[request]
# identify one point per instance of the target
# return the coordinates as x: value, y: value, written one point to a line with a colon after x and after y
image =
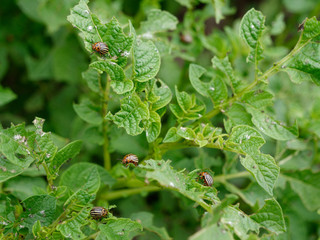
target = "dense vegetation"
x: 189, y: 86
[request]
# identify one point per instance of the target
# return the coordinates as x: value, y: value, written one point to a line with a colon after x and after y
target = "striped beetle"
x: 100, y: 47
x: 207, y: 179
x: 130, y: 158
x: 98, y: 212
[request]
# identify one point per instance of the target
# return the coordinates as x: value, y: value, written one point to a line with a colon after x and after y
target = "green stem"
x: 54, y: 225
x: 50, y: 181
x: 127, y: 192
x: 106, y: 153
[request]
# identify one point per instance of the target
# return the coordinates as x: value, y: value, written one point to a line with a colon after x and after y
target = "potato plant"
x: 225, y: 125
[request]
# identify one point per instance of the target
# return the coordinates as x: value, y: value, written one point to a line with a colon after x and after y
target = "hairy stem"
x: 106, y: 154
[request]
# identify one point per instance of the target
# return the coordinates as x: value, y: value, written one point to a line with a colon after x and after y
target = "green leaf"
x: 304, y: 65
x: 215, y: 89
x: 146, y: 220
x: 66, y: 153
x: 172, y: 135
x: 219, y: 233
x: 261, y: 166
x: 186, y: 133
x: 195, y: 72
x: 258, y: 99
x: 118, y: 229
x: 6, y: 95
x: 307, y: 185
x: 89, y: 180
x: 251, y: 28
x: 218, y: 5
x: 93, y: 79
x: 311, y: 29
x: 71, y: 228
x: 271, y: 127
x: 92, y: 30
x: 270, y: 216
x: 158, y: 21
x: 237, y: 115
x: 23, y: 187
x: 132, y: 112
x: 240, y: 222
x: 38, y: 208
x: 184, y: 100
x: 36, y: 228
x: 79, y: 199
x: 163, y: 94
x: 154, y: 126
x: 146, y: 60
x: 225, y: 67
x: 119, y: 82
x: 163, y: 173
x: 88, y: 112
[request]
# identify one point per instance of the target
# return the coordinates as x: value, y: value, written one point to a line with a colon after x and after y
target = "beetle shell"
x: 207, y: 179
x: 98, y: 212
x: 130, y: 158
x: 100, y: 47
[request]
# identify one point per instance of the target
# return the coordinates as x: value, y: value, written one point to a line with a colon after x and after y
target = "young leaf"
x: 89, y: 181
x: 270, y: 216
x: 195, y: 72
x: 118, y: 229
x: 163, y: 94
x: 270, y: 127
x: 36, y: 228
x: 311, y: 29
x: 38, y: 208
x: 71, y: 228
x: 307, y: 185
x: 186, y: 133
x: 132, y: 112
x: 158, y: 21
x: 251, y: 28
x: 93, y: 31
x: 218, y: 91
x: 67, y: 152
x: 154, y: 126
x: 119, y: 82
x: 225, y: 67
x: 88, y: 112
x: 172, y: 135
x: 146, y: 60
x: 184, y: 100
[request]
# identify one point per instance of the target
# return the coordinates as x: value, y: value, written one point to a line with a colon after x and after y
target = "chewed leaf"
x: 119, y: 82
x: 146, y: 60
x: 158, y: 21
x: 251, y: 28
x: 132, y: 112
x: 311, y: 29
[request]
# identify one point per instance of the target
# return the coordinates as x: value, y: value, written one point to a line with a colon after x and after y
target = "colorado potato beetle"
x: 207, y: 179
x: 98, y: 212
x: 130, y: 158
x: 101, y: 48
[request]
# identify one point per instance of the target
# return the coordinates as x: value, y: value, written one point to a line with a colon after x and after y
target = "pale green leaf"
x: 146, y: 60
x: 258, y: 99
x: 132, y: 112
x: 186, y: 3
x: 271, y: 127
x: 66, y: 153
x: 93, y: 79
x: 119, y: 82
x: 186, y: 133
x: 158, y: 21
x: 118, y: 229
x: 88, y: 112
x: 163, y: 93
x: 251, y: 28
x: 184, y: 100
x: 195, y: 72
x: 225, y: 67
x: 270, y: 216
x: 311, y: 29
x: 219, y: 233
x: 172, y: 135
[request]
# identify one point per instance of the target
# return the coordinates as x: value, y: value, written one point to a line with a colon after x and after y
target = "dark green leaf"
x: 6, y: 95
